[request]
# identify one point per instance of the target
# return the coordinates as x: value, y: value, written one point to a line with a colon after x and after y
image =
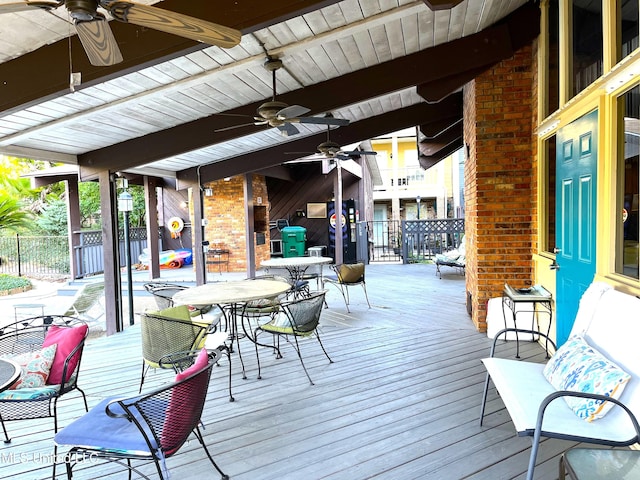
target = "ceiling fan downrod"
x: 272, y: 65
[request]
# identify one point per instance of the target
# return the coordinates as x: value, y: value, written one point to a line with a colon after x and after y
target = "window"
x: 627, y: 40
x: 553, y: 58
x: 587, y: 43
x: 550, y: 157
x: 628, y: 231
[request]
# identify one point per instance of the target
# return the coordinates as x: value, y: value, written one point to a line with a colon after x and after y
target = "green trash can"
x: 293, y: 241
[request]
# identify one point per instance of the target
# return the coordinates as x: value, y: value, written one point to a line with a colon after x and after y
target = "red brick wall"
x: 500, y: 179
x: 225, y: 214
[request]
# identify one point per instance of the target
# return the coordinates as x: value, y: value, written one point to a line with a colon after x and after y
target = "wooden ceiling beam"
x: 431, y: 148
x: 22, y: 82
x: 438, y: 127
x: 429, y: 161
x: 441, y: 4
x: 471, y: 52
x: 355, y: 132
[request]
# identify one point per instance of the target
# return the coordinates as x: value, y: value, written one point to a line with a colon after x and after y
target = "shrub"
x: 9, y: 282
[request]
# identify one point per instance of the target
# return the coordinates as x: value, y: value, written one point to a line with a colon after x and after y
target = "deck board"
x: 400, y: 401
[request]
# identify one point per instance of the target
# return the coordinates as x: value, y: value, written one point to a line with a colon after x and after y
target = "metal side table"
x: 540, y: 300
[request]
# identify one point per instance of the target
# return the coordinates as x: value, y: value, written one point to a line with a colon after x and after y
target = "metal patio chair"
x: 25, y: 340
x: 148, y: 427
x: 163, y: 295
x: 297, y: 318
x: 172, y: 331
x: 347, y: 275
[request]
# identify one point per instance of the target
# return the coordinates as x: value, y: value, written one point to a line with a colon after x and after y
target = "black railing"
x: 385, y: 241
x: 34, y: 256
x: 412, y: 240
x: 49, y: 255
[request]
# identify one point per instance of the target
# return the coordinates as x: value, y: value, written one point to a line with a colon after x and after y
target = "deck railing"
x: 48, y: 256
x: 413, y: 240
x: 31, y: 255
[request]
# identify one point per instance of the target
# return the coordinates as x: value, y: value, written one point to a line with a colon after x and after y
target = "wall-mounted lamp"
x: 184, y: 204
x: 208, y: 192
x: 125, y: 202
x: 300, y: 213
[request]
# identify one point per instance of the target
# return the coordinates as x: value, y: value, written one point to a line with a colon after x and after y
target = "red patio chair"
x: 148, y: 427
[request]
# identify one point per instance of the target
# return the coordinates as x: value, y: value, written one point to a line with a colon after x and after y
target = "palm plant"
x: 12, y: 216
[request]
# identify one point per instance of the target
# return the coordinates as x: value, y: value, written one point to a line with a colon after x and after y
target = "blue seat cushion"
x: 97, y: 431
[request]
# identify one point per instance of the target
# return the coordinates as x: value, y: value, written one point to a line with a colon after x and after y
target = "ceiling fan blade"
x: 286, y: 130
x: 340, y: 122
x: 359, y: 152
x: 98, y: 42
x: 291, y: 112
x: 174, y: 23
x: 305, y: 160
x: 25, y: 6
x: 238, y: 126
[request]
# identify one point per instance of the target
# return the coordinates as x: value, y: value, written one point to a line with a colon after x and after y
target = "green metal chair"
x: 297, y: 318
x: 347, y: 275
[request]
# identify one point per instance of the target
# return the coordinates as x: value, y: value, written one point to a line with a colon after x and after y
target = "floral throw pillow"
x: 35, y: 367
x: 578, y: 367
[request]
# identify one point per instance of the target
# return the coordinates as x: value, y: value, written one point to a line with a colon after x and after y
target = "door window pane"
x: 587, y: 43
x: 627, y: 261
x: 550, y: 152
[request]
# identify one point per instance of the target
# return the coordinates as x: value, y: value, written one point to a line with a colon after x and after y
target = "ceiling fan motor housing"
x: 82, y: 10
x: 329, y: 148
x: 269, y: 110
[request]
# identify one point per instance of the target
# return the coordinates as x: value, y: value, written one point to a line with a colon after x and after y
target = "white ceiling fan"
x: 280, y: 115
x: 330, y: 153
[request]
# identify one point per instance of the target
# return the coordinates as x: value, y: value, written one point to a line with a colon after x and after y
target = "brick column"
x: 226, y: 223
x: 500, y: 114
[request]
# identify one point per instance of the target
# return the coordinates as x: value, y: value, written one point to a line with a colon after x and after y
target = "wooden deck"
x: 401, y: 400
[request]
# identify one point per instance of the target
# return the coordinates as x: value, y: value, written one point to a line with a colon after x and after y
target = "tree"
x: 12, y: 216
x: 14, y: 185
x: 53, y: 220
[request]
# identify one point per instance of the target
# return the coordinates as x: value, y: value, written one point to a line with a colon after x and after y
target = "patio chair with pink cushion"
x: 152, y: 426
x: 49, y: 350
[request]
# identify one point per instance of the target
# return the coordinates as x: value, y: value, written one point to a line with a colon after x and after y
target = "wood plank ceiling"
x: 381, y: 64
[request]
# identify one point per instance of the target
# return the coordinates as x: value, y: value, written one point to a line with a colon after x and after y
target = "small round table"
x: 297, y: 266
x: 10, y: 371
x: 225, y: 293
x: 233, y: 294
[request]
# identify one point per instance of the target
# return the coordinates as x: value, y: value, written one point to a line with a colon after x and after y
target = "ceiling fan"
x: 329, y: 150
x: 282, y: 116
x: 98, y: 40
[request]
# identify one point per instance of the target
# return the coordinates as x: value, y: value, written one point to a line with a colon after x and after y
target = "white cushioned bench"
x: 609, y: 321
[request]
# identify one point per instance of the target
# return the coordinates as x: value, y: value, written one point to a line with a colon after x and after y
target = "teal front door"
x: 576, y: 167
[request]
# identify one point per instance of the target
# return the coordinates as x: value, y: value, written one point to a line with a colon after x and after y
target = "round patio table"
x: 296, y: 266
x: 232, y: 295
x: 227, y: 293
x: 9, y: 372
